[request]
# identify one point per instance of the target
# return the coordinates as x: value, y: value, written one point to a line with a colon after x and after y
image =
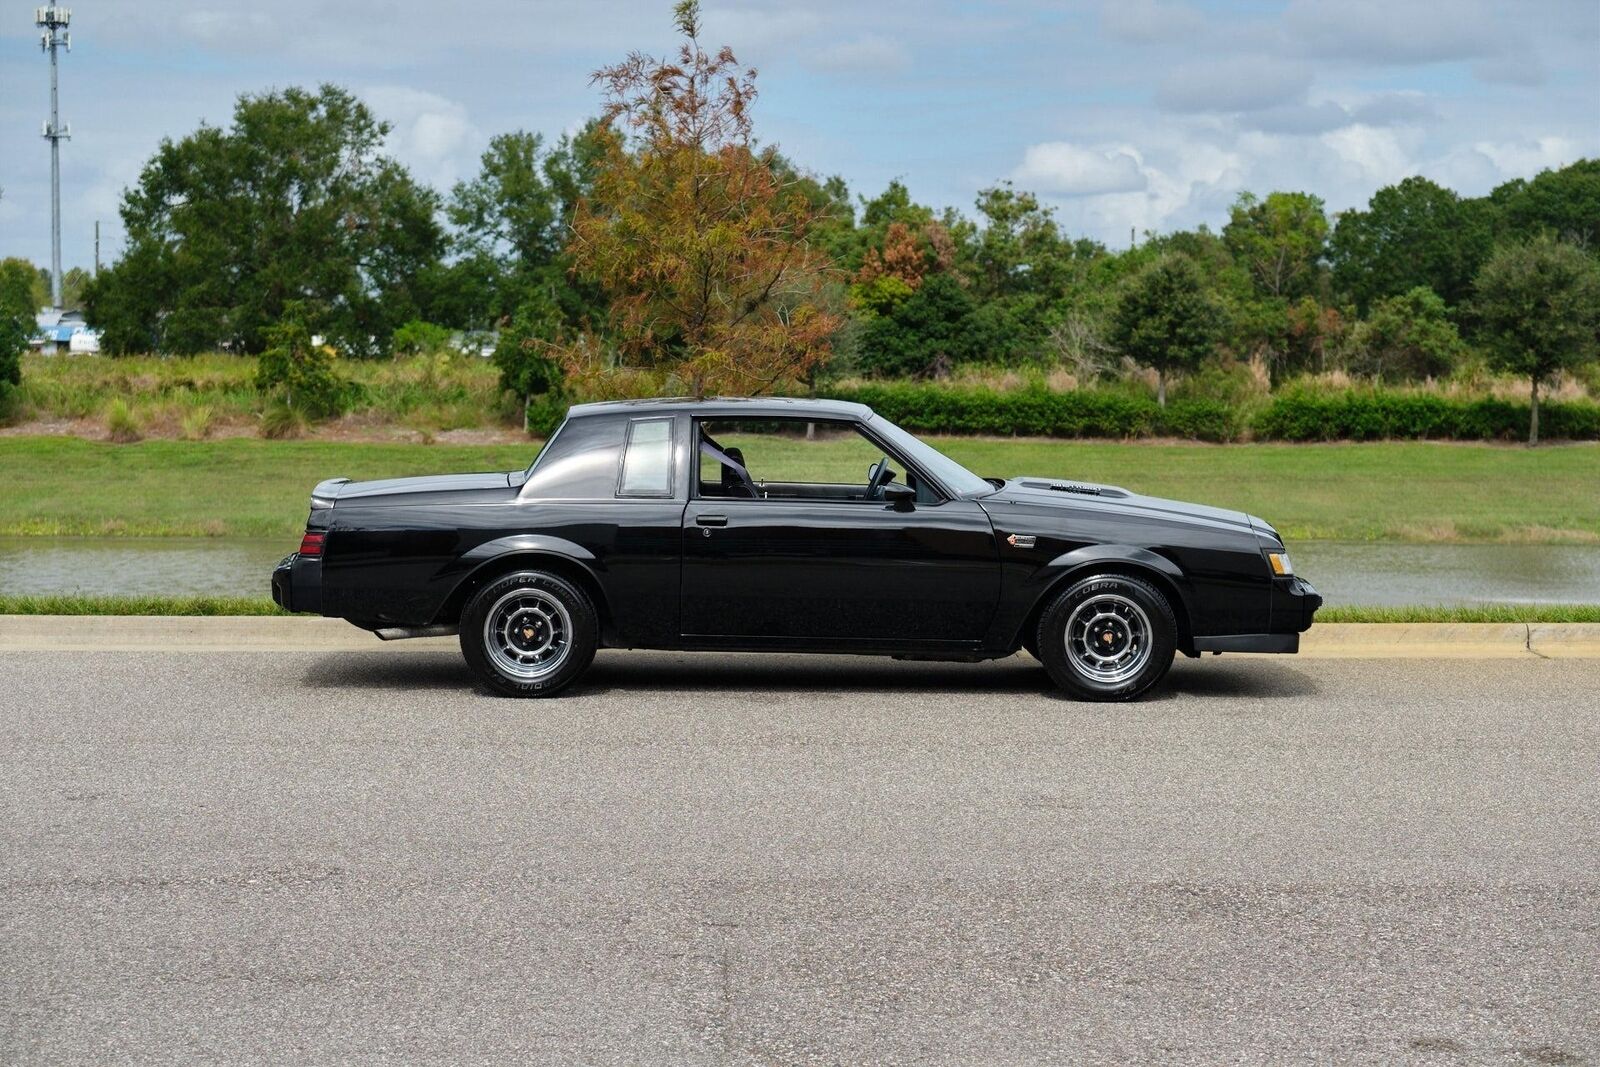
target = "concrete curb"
x: 240, y: 633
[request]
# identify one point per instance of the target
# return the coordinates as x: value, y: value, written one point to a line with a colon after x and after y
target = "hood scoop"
x: 1081, y: 488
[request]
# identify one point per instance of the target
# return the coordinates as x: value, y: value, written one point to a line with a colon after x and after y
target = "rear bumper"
x: 297, y: 584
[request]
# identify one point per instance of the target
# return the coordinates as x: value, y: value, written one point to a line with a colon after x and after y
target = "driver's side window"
x: 791, y: 459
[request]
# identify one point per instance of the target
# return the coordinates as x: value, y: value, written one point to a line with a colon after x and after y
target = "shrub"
x: 197, y: 423
x: 16, y: 325
x: 1405, y: 338
x: 523, y: 358
x: 1203, y: 420
x: 1299, y: 413
x: 281, y: 422
x: 420, y: 338
x: 1033, y: 411
x: 298, y: 372
x: 122, y: 426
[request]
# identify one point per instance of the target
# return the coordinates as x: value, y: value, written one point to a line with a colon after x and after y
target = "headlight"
x: 1280, y: 564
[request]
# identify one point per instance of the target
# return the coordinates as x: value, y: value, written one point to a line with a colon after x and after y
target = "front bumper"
x: 1294, y: 604
x: 297, y: 584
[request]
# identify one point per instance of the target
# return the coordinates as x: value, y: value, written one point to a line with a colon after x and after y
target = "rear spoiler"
x: 327, y: 492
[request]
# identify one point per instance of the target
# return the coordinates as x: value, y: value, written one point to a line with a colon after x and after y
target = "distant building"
x: 58, y: 332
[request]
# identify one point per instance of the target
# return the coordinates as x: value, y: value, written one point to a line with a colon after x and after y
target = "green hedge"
x: 1367, y: 414
x: 1296, y: 414
x: 1031, y: 412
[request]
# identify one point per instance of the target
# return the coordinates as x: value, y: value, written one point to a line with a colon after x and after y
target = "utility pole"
x: 97, y: 248
x: 53, y: 21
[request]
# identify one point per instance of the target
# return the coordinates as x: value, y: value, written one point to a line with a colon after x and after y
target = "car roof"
x: 727, y: 405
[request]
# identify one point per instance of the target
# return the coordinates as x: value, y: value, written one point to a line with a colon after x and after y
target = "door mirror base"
x: 900, y: 497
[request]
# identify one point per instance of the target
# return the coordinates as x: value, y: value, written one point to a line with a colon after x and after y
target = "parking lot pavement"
x: 311, y: 857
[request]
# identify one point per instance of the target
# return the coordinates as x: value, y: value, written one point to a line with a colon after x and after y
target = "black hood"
x: 1112, y: 498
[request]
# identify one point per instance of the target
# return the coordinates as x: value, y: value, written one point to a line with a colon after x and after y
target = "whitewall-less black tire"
x: 529, y: 633
x: 1107, y: 637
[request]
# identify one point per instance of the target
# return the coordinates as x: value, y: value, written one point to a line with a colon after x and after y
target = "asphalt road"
x: 317, y: 858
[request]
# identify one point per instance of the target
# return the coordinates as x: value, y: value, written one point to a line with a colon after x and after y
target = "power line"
x: 53, y: 21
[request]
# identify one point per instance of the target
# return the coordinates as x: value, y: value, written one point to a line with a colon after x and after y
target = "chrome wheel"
x: 1108, y: 639
x: 527, y: 634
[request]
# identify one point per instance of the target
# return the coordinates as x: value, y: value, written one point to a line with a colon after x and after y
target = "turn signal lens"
x: 311, y: 543
x: 1280, y: 564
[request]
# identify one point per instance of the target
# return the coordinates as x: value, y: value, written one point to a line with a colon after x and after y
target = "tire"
x: 1133, y: 638
x: 529, y: 634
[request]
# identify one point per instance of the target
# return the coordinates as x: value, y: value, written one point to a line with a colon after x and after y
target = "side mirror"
x: 900, y: 497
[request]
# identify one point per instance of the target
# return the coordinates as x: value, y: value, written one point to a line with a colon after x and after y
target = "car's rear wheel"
x: 529, y: 634
x: 1107, y: 637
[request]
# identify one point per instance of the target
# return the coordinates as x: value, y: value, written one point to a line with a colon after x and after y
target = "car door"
x: 831, y: 570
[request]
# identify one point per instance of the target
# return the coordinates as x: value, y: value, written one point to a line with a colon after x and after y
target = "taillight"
x: 311, y: 543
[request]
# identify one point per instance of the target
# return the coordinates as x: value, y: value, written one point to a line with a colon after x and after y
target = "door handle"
x: 711, y: 520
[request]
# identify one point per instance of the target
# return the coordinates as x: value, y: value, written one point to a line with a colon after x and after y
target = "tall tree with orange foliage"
x: 702, y: 247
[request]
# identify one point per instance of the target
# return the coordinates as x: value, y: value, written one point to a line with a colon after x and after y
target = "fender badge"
x: 1021, y: 540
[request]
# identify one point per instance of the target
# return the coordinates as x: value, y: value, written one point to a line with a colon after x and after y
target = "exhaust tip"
x: 400, y: 633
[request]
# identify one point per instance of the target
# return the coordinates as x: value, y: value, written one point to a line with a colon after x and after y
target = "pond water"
x: 1345, y: 572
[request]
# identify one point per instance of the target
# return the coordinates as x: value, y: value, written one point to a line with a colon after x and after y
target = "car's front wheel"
x: 1107, y: 637
x: 529, y: 633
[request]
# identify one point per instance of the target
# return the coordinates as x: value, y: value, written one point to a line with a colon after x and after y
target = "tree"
x: 1405, y: 338
x: 1564, y: 203
x: 1166, y: 320
x: 297, y: 369
x: 1280, y: 241
x: 691, y: 231
x: 295, y: 201
x: 1538, y: 311
x: 1412, y: 234
x: 933, y: 327
x: 512, y: 224
x: 522, y: 355
x: 16, y: 322
x: 38, y: 279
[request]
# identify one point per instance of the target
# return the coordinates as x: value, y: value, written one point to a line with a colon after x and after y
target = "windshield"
x: 953, y: 475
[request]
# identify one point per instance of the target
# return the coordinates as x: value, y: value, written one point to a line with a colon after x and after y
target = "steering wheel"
x: 878, y: 476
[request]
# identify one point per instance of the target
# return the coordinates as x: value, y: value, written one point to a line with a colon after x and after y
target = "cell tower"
x: 53, y: 21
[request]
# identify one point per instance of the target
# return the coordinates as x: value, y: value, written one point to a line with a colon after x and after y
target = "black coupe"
x: 793, y: 526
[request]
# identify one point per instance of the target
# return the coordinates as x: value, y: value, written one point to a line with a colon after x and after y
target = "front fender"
x: 1079, y: 558
x: 1025, y: 598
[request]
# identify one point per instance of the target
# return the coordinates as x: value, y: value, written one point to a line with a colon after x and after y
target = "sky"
x: 1122, y: 115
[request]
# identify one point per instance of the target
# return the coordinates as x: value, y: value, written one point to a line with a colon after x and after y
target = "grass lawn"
x: 1389, y: 491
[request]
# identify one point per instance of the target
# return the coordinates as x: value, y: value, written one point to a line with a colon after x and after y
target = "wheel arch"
x: 1154, y: 570
x: 524, y: 556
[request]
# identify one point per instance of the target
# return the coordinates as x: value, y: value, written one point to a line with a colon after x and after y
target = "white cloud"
x: 1528, y: 157
x: 1370, y: 155
x: 1387, y: 109
x: 1228, y: 84
x: 1061, y: 168
x: 1150, y: 21
x: 431, y: 134
x: 231, y: 30
x: 1396, y: 31
x: 869, y: 55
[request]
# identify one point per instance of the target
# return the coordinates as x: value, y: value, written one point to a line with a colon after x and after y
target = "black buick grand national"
x: 794, y: 526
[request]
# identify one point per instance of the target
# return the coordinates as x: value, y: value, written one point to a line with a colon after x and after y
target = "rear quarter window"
x: 580, y: 461
x: 647, y: 462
